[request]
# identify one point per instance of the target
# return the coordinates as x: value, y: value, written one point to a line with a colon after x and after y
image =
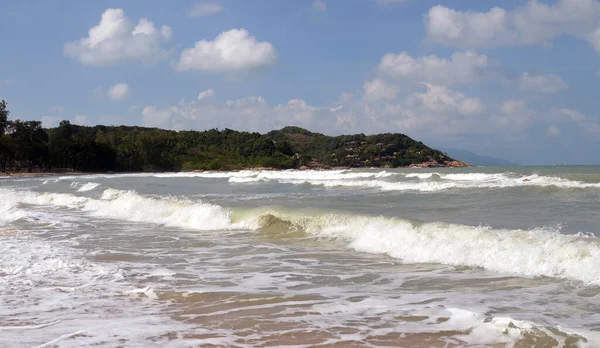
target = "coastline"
x: 40, y: 174
x: 303, y: 168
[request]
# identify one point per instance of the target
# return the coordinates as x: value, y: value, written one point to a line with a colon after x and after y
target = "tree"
x: 30, y: 142
x: 61, y: 145
x: 4, y: 112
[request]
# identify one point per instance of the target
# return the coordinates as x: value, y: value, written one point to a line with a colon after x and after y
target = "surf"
x: 536, y: 252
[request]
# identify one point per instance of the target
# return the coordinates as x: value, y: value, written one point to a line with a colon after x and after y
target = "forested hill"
x: 26, y: 146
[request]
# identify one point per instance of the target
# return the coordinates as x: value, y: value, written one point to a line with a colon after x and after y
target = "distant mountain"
x: 478, y: 160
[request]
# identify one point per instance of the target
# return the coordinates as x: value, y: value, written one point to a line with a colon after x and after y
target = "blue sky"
x: 513, y: 79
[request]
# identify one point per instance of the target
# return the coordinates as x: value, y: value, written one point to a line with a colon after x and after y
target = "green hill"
x: 358, y: 150
x: 26, y: 146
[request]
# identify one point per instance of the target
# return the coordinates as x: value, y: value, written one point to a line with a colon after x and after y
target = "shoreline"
x: 41, y: 174
x: 47, y: 174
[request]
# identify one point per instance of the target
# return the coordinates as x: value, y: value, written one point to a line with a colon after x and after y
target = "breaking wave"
x: 123, y: 205
x: 386, y: 180
x: 88, y: 186
x: 423, y: 182
x: 534, y: 252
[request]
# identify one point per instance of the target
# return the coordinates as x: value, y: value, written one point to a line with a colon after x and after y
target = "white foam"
x: 52, y: 296
x: 130, y: 206
x: 251, y: 175
x: 420, y: 175
x: 369, y: 179
x: 9, y: 210
x: 536, y: 252
x: 449, y: 181
x: 88, y: 186
x: 393, y: 181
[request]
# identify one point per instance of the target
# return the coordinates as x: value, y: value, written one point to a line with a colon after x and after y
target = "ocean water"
x: 473, y: 257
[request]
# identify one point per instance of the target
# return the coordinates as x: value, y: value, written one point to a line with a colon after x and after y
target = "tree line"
x: 27, y: 146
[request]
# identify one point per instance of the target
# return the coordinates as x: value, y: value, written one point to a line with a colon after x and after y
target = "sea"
x: 441, y: 257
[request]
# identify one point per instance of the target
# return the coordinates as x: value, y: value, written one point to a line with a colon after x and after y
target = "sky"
x: 518, y: 80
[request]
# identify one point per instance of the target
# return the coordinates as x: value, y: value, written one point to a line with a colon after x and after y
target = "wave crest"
x: 535, y: 252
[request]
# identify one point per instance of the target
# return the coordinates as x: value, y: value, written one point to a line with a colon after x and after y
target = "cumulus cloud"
x: 541, y: 83
x: 512, y: 106
x: 206, y: 94
x: 81, y: 120
x: 470, y: 29
x: 155, y: 117
x: 442, y: 99
x: 432, y: 111
x: 252, y: 113
x: 534, y: 23
x: 594, y: 39
x: 233, y: 50
x: 115, y: 39
x: 203, y: 9
x: 50, y: 121
x: 319, y: 6
x: 435, y: 114
x: 462, y: 67
x: 572, y: 116
x: 378, y: 89
x: 120, y: 91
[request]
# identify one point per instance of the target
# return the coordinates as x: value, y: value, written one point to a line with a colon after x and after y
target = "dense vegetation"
x: 26, y: 146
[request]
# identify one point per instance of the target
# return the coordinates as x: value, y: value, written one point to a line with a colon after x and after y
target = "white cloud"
x: 512, y: 106
x: 251, y: 113
x: 50, y: 121
x: 541, y: 83
x: 535, y: 23
x: 553, y: 131
x: 203, y: 9
x: 378, y: 89
x: 154, y: 117
x: 570, y: 114
x: 594, y: 39
x: 115, y: 39
x: 587, y: 123
x: 435, y: 114
x: 441, y: 99
x: 81, y: 120
x: 462, y: 67
x: 515, y: 117
x: 319, y: 6
x: 206, y: 94
x: 296, y: 112
x: 233, y: 50
x: 426, y: 114
x: 471, y: 29
x: 120, y: 91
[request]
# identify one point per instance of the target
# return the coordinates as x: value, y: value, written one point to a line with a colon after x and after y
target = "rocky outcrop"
x: 431, y: 163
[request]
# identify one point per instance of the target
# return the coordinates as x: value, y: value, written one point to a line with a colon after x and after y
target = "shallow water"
x: 471, y: 257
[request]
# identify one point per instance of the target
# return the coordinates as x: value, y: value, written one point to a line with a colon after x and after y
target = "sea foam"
x: 534, y: 252
x: 121, y: 205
